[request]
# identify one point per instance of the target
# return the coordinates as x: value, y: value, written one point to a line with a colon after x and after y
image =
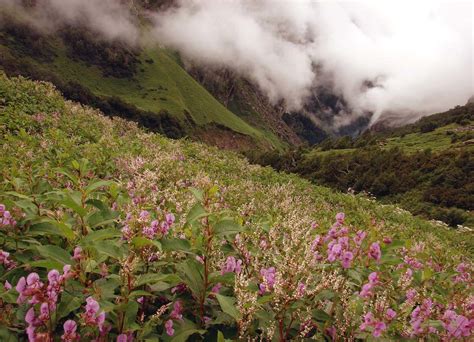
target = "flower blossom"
x: 232, y: 265
x: 369, y: 321
x: 6, y: 261
x: 374, y: 251
x: 268, y: 275
x: 169, y: 327
x: 457, y: 326
x: 91, y: 316
x: 70, y: 334
x: 366, y: 291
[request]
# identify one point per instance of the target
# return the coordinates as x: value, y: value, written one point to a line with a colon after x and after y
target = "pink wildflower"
x: 340, y: 218
x: 390, y: 314
x: 177, y: 312
x: 77, y: 253
x: 374, y: 251
x: 169, y: 327
x: 6, y: 261
x: 70, y: 334
x: 347, y: 259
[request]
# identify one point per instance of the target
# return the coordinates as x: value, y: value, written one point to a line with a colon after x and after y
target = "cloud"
x: 396, y: 58
x: 110, y: 19
x: 416, y: 55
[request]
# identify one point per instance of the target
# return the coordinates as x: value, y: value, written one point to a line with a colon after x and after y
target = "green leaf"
x: 69, y: 175
x: 140, y: 241
x: 321, y: 315
x: 227, y: 227
x: 98, y: 204
x: 55, y: 253
x: 75, y: 205
x: 151, y: 278
x: 197, y: 194
x: 196, y: 212
x: 109, y: 248
x: 53, y: 227
x: 67, y: 305
x: 184, y: 330
x: 192, y: 274
x: 98, y: 184
x: 102, y: 218
x: 105, y: 287
x: 139, y: 293
x: 228, y: 306
x: 427, y: 274
x: 98, y: 235
x: 16, y: 194
x: 355, y: 276
x: 131, y: 313
x: 48, y: 264
x: 324, y: 294
x: 174, y: 244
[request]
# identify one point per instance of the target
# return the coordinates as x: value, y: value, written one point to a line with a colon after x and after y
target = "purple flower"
x: 366, y: 291
x: 360, y: 236
x: 177, y: 312
x: 164, y: 228
x: 390, y: 314
x: 122, y: 338
x: 316, y: 243
x: 368, y: 321
x: 30, y: 317
x: 169, y: 219
x: 148, y: 232
x: 373, y: 278
x: 457, y: 326
x: 216, y: 288
x: 7, y: 285
x: 5, y: 260
x: 231, y: 265
x: 334, y: 251
x: 91, y: 315
x: 374, y: 251
x: 347, y: 259
x: 169, y: 327
x: 340, y: 218
x: 300, y: 290
x: 379, y: 328
x: 144, y: 215
x: 70, y: 334
x: 269, y: 275
x: 411, y: 294
x: 77, y: 253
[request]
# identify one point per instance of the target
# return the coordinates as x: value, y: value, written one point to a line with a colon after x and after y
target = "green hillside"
x: 151, y: 80
x: 426, y: 167
x: 81, y: 193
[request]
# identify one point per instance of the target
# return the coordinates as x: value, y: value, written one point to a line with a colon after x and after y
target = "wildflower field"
x: 110, y: 233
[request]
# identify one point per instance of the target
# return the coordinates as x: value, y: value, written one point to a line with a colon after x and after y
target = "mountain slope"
x: 83, y: 193
x: 151, y: 80
x: 426, y: 167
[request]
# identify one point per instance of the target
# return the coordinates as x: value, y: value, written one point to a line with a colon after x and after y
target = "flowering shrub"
x: 121, y: 235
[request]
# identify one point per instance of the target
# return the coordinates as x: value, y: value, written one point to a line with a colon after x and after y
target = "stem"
x: 280, y: 329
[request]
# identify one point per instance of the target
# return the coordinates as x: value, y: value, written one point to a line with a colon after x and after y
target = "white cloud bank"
x: 419, y: 54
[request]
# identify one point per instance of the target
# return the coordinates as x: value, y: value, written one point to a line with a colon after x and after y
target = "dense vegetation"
x: 427, y: 171
x: 109, y: 232
x: 147, y: 85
